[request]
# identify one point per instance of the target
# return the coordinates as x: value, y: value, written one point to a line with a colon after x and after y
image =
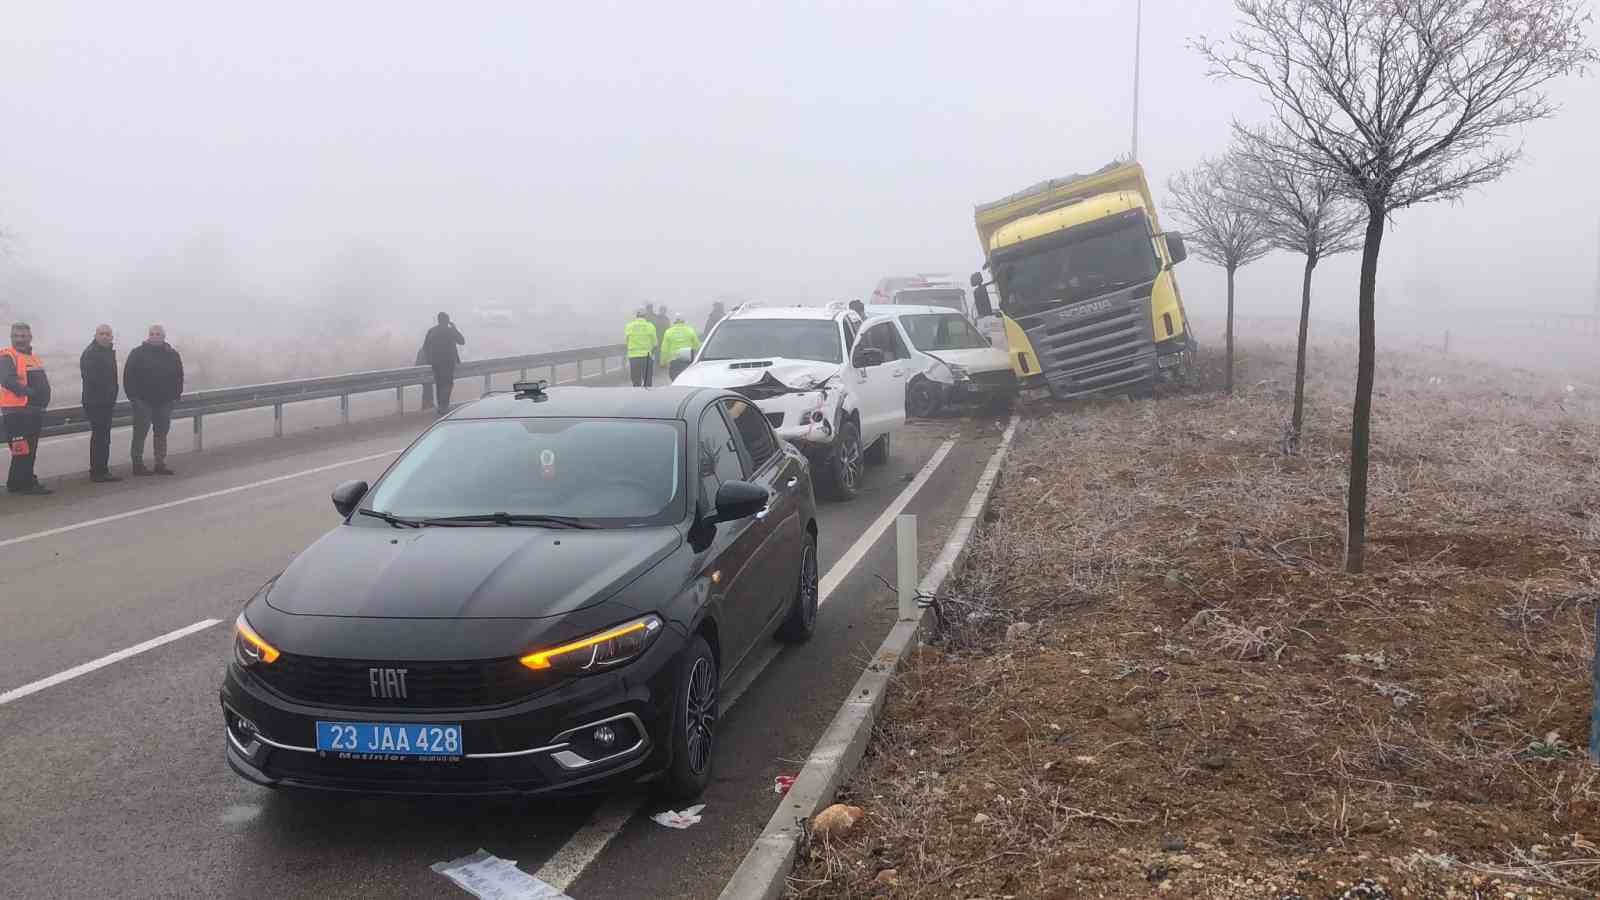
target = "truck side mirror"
x: 980, y: 299
x: 1176, y: 251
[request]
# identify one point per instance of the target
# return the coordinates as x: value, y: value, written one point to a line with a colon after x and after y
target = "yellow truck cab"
x: 1087, y: 290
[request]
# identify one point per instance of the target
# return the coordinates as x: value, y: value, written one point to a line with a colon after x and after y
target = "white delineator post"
x: 905, y: 537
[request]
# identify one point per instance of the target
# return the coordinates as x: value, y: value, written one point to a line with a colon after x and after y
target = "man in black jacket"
x: 98, y: 366
x: 440, y: 348
x: 153, y: 380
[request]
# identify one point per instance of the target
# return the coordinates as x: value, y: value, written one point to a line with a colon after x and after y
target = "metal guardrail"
x: 199, y: 404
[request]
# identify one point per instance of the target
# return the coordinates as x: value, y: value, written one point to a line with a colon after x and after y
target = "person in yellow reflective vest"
x: 678, y: 338
x: 642, y: 341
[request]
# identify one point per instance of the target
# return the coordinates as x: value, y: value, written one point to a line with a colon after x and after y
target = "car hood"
x: 465, y: 573
x: 975, y: 359
x: 720, y: 373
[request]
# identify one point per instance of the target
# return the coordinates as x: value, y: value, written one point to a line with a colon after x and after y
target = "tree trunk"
x: 1300, y: 353
x: 1227, y: 378
x: 1361, y: 419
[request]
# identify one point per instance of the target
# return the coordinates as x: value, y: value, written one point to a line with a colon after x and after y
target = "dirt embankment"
x: 1199, y: 703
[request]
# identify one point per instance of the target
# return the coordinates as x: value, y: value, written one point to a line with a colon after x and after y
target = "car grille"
x: 775, y: 419
x: 429, y: 685
x: 1096, y: 345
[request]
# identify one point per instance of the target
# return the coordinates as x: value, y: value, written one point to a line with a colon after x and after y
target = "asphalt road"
x: 113, y: 783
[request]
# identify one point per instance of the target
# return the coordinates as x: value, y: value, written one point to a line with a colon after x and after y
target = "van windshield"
x: 1068, y: 273
x: 942, y: 332
x: 951, y: 298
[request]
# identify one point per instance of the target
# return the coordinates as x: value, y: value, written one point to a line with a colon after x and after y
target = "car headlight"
x: 597, y: 652
x: 250, y: 648
x: 959, y: 373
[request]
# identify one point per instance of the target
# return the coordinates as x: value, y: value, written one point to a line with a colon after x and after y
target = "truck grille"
x: 429, y: 685
x: 1096, y: 345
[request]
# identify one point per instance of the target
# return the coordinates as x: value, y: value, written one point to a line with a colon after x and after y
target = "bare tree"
x: 1302, y: 212
x: 1224, y: 230
x: 1404, y: 102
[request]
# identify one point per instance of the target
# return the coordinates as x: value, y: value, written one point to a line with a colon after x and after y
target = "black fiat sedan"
x: 544, y: 592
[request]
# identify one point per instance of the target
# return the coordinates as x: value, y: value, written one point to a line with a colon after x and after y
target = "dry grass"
x: 1207, y: 706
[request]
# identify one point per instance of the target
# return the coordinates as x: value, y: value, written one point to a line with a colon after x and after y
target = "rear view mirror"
x: 739, y: 500
x: 347, y: 495
x: 1176, y: 251
x: 980, y: 299
x: 867, y: 357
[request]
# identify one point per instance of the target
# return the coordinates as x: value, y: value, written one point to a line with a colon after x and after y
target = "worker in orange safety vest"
x: 24, y: 395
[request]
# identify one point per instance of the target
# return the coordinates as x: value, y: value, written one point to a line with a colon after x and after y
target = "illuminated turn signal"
x: 597, y: 651
x: 253, y: 644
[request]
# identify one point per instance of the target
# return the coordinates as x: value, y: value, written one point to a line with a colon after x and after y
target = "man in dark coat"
x: 98, y: 366
x: 440, y: 348
x: 153, y: 380
x: 718, y: 311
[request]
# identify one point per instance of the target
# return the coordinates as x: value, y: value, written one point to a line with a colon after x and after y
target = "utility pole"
x: 1138, y: 35
x: 1597, y: 274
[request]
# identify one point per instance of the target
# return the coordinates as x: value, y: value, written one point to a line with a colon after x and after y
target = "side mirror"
x: 347, y: 495
x: 739, y: 500
x: 867, y: 357
x: 976, y: 280
x: 1176, y: 251
x: 980, y: 299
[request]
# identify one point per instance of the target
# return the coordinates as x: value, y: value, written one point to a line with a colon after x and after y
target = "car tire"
x: 802, y: 620
x: 842, y: 469
x: 924, y: 398
x: 878, y: 453
x: 694, y: 722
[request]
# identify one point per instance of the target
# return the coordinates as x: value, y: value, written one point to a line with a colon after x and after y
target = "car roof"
x: 786, y: 312
x: 665, y: 402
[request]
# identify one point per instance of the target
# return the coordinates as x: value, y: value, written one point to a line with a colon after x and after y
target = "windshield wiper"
x: 502, y: 518
x: 396, y: 521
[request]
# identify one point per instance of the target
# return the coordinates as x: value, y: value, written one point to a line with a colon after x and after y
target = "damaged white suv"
x: 830, y: 384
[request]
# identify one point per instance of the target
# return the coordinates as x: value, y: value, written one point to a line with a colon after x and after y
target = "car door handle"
x: 764, y: 510
x: 792, y: 483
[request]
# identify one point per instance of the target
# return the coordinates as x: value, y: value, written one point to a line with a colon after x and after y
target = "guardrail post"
x: 277, y: 420
x: 580, y: 371
x: 524, y: 375
x: 400, y: 401
x: 905, y: 540
x: 199, y: 436
x: 487, y: 378
x: 344, y: 409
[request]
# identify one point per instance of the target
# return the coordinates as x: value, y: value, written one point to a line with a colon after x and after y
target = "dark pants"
x: 639, y: 370
x: 149, y: 417
x: 23, y: 423
x: 99, y: 437
x: 444, y: 379
x: 427, y: 396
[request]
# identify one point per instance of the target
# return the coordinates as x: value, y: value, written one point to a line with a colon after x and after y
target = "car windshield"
x: 942, y: 332
x: 603, y: 472
x: 816, y: 339
x: 1079, y: 270
x: 952, y: 298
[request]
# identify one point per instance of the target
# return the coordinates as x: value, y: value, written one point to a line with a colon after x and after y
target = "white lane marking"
x: 562, y: 869
x: 23, y: 539
x: 852, y: 557
x: 585, y: 846
x: 102, y: 662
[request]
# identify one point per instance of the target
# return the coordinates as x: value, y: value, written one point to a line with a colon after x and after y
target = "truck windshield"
x: 1079, y: 270
x: 816, y: 339
x: 942, y: 332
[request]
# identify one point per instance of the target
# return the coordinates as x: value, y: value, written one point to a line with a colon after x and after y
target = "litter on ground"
x: 683, y: 819
x: 489, y: 877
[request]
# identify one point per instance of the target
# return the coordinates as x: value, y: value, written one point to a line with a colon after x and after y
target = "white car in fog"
x: 953, y: 362
x: 832, y: 385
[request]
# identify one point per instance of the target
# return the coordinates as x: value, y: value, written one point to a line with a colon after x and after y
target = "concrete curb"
x: 765, y: 869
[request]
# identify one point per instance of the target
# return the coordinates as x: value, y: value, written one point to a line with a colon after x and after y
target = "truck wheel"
x: 924, y: 398
x: 842, y: 469
x: 878, y: 453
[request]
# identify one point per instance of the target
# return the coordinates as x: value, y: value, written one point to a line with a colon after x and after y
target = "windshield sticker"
x: 547, y: 462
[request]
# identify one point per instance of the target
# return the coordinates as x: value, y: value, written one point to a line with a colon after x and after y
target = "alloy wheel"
x: 700, y: 714
x: 808, y: 584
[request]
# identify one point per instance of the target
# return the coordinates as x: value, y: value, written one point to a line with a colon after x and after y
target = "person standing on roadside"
x: 440, y: 349
x: 640, y: 335
x: 679, y: 337
x: 98, y: 366
x: 859, y: 308
x: 24, y: 396
x: 718, y: 312
x: 153, y: 380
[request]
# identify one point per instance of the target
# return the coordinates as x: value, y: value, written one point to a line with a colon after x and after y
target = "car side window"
x: 897, y: 345
x: 882, y: 337
x: 754, y: 432
x: 719, y: 456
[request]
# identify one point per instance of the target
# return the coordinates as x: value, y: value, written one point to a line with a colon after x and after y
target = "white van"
x: 952, y: 361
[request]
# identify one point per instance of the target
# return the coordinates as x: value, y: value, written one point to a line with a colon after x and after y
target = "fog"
x: 299, y: 171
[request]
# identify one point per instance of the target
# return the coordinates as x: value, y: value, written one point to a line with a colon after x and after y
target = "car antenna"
x: 531, y: 390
